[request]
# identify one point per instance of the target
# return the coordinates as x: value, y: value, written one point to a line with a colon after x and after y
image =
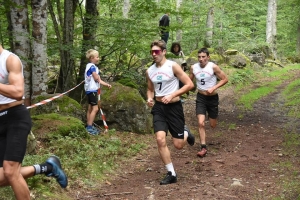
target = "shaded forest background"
x: 52, y: 36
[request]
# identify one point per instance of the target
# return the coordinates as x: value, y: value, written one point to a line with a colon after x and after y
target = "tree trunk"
x: 89, y: 29
x: 209, y: 26
x: 39, y: 33
x: 196, y: 22
x: 126, y: 8
x: 179, y: 20
x: 67, y: 69
x: 21, y: 42
x: 271, y: 29
x: 298, y: 39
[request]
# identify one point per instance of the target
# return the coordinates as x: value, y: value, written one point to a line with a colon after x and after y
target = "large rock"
x: 125, y: 109
x: 238, y: 61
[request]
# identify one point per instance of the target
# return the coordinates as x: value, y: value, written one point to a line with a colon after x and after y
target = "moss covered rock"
x: 125, y: 109
x: 49, y: 126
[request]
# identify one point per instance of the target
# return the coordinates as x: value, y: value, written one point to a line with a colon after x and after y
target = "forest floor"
x: 244, y: 152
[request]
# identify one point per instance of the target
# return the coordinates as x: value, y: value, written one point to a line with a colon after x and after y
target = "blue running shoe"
x: 57, y: 171
x: 96, y: 129
x: 92, y: 131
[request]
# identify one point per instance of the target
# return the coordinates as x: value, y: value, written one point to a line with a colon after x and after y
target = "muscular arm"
x: 184, y: 78
x: 15, y: 87
x: 191, y: 74
x: 221, y: 75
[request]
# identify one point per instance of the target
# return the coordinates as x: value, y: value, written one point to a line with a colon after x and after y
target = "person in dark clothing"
x: 179, y: 59
x: 164, y: 23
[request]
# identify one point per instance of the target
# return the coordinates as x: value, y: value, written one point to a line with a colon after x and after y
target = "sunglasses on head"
x: 157, y: 52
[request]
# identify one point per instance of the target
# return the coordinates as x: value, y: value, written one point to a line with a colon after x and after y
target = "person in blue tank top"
x: 163, y: 95
x: 206, y: 74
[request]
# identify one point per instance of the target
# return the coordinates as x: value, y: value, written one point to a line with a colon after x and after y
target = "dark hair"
x: 174, y: 44
x: 160, y: 43
x: 204, y: 50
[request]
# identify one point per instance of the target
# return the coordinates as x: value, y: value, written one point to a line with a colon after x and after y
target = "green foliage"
x: 241, y: 76
x: 292, y: 94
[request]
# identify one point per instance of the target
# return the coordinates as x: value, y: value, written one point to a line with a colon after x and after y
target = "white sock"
x: 186, y: 134
x: 170, y: 168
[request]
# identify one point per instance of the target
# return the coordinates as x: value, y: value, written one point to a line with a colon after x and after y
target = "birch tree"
x: 271, y: 30
x: 209, y: 25
x: 126, y: 8
x: 39, y: 34
x: 179, y: 20
x: 21, y: 42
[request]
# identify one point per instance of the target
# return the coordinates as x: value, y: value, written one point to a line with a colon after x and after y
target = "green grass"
x: 86, y: 160
x: 251, y: 97
x: 292, y: 94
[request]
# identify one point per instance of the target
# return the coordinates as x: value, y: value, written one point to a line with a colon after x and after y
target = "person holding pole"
x: 91, y: 86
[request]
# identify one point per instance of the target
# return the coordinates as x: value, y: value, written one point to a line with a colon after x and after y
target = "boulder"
x: 125, y: 109
x: 238, y: 61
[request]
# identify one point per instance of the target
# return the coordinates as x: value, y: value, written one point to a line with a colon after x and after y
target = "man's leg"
x: 26, y: 172
x: 201, y: 127
x: 162, y: 147
x: 11, y: 175
x: 166, y: 158
x: 213, y: 122
x: 51, y: 168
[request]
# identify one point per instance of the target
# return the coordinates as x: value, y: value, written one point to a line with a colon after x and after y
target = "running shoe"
x: 57, y: 171
x: 202, y: 153
x: 169, y: 179
x: 191, y: 137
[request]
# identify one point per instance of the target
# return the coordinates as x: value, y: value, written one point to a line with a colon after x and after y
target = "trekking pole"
x: 102, y: 115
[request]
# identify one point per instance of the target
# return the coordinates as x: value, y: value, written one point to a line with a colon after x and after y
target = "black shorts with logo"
x: 92, y: 98
x: 207, y: 104
x: 169, y: 117
x: 15, y: 125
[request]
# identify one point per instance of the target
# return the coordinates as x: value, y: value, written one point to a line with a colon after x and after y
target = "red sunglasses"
x: 157, y: 52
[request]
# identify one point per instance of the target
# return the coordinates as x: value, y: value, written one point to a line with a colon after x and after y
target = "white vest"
x: 4, y: 75
x: 205, y: 76
x: 163, y: 79
x: 90, y: 84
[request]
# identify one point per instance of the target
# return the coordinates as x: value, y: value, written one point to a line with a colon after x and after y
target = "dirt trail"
x: 239, y: 165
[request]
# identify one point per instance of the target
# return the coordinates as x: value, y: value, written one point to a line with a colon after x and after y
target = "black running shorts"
x: 207, y: 104
x: 169, y: 117
x: 93, y: 98
x: 15, y: 125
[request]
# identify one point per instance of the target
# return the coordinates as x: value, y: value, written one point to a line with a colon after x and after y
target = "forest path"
x: 241, y: 162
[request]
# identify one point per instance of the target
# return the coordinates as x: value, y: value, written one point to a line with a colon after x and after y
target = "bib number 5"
x: 202, y: 82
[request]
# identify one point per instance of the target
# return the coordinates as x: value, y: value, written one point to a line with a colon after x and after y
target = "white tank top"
x: 4, y: 75
x: 90, y: 84
x: 163, y: 79
x: 205, y: 76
